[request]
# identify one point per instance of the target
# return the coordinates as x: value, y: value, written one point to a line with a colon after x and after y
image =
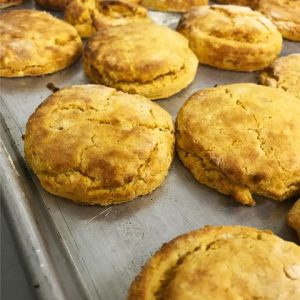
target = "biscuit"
x: 242, y: 139
x: 250, y: 3
x: 221, y: 262
x: 285, y: 14
x: 283, y: 73
x: 52, y: 4
x: 8, y: 3
x: 91, y: 16
x: 171, y: 5
x: 293, y: 217
x: 146, y: 59
x: 95, y: 145
x: 35, y: 43
x: 231, y: 37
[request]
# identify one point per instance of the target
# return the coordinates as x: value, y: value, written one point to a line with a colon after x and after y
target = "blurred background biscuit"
x: 285, y: 14
x: 283, y: 73
x: 231, y: 37
x: 52, y: 4
x: 147, y: 59
x: 35, y: 43
x: 250, y: 3
x: 293, y: 217
x: 9, y: 3
x: 92, y: 15
x: 171, y: 5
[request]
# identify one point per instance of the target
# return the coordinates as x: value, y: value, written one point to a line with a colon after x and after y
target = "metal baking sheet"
x: 76, y: 252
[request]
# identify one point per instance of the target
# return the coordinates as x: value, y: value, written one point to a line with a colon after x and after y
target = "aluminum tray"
x: 75, y: 252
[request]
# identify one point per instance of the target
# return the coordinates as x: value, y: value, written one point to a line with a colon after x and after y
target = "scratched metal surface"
x: 102, y: 249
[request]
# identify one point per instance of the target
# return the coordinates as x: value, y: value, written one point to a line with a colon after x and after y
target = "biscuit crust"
x: 146, y: 59
x: 35, y: 43
x: 171, y: 5
x: 231, y: 37
x: 283, y: 73
x: 285, y: 14
x: 90, y: 16
x: 95, y: 145
x: 53, y: 4
x: 228, y: 139
x: 9, y: 3
x: 221, y: 262
x: 293, y: 217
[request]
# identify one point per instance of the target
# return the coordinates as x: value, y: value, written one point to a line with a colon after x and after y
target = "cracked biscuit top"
x: 171, y: 5
x: 95, y: 145
x: 283, y: 73
x: 147, y: 59
x: 90, y: 16
x: 293, y: 217
x: 222, y: 262
x: 35, y: 43
x: 231, y: 37
x: 285, y: 14
x: 242, y: 139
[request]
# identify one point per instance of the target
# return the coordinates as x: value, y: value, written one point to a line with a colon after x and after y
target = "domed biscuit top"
x: 231, y: 37
x: 222, y: 263
x: 146, y: 59
x: 173, y: 5
x: 285, y: 14
x: 95, y: 145
x: 242, y: 139
x: 91, y: 16
x: 35, y: 43
x: 293, y: 217
x: 283, y: 73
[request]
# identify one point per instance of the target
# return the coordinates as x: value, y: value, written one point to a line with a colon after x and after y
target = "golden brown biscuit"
x: 173, y: 5
x: 284, y: 73
x: 242, y: 139
x: 293, y: 217
x: 95, y: 145
x: 53, y: 4
x: 231, y: 37
x: 221, y: 262
x: 91, y: 16
x: 8, y: 3
x: 250, y: 3
x: 35, y: 43
x: 285, y: 14
x: 146, y: 59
